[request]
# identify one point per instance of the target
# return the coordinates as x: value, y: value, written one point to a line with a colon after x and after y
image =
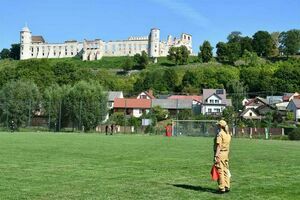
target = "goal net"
x: 194, y: 127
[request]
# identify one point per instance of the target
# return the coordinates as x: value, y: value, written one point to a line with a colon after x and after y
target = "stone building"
x: 37, y: 47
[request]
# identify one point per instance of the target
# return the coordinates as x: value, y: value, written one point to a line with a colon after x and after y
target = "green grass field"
x: 91, y: 166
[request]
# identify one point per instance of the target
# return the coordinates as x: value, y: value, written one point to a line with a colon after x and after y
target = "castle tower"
x: 154, y: 39
x: 25, y: 41
x: 186, y: 40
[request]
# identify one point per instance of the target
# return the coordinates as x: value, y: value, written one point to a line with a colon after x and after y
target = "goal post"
x: 194, y: 127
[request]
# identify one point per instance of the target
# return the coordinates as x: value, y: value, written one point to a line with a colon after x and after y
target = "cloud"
x: 185, y: 10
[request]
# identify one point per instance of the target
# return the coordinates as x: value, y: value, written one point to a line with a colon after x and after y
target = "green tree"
x: 290, y: 42
x: 206, y: 53
x: 127, y: 65
x: 64, y: 73
x: 179, y: 55
x: 238, y: 93
x: 246, y: 44
x: 15, y: 51
x: 141, y: 60
x: 89, y: 104
x: 170, y: 78
x: 229, y: 115
x: 38, y: 70
x: 5, y: 53
x: 250, y: 58
x: 19, y: 101
x: 263, y: 43
x: 234, y: 37
x: 222, y: 52
x: 159, y: 113
x: 275, y: 37
x: 57, y: 105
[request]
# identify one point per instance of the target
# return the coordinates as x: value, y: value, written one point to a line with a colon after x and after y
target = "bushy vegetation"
x: 295, y: 134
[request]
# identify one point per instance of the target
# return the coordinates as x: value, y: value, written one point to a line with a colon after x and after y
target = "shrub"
x: 295, y: 134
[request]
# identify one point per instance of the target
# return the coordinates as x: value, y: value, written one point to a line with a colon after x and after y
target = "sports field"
x: 91, y: 166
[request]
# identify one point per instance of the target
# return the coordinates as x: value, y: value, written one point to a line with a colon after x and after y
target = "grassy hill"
x: 81, y: 166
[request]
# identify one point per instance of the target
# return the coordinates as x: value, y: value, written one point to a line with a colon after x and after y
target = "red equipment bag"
x: 214, y: 173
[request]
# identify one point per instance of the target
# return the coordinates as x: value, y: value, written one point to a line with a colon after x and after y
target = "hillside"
x: 163, y: 77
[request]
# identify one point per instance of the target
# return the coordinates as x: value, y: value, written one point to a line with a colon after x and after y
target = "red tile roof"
x: 132, y: 103
x: 192, y: 97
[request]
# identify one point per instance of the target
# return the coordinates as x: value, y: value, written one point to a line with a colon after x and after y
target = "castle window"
x: 32, y: 54
x: 184, y: 36
x: 189, y: 38
x: 72, y: 53
x: 66, y: 53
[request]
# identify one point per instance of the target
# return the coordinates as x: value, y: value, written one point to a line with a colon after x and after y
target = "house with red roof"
x: 133, y: 107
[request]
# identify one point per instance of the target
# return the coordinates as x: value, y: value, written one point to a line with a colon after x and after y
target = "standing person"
x: 111, y: 129
x: 221, y: 152
x: 106, y: 129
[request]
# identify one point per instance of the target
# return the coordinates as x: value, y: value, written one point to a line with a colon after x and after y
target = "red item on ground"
x: 214, y: 173
x: 169, y: 130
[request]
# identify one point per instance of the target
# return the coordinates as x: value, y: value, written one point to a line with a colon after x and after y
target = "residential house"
x: 196, y: 101
x: 133, y: 107
x: 294, y: 106
x: 146, y: 95
x: 287, y: 97
x: 274, y: 99
x: 257, y: 108
x: 173, y: 105
x: 250, y: 113
x: 256, y: 102
x: 112, y: 95
x: 214, y: 101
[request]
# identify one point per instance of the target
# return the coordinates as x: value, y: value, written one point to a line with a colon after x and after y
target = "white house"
x: 146, y: 95
x: 294, y: 106
x: 214, y: 101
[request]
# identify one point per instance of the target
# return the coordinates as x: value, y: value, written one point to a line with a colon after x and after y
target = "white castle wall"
x: 96, y: 49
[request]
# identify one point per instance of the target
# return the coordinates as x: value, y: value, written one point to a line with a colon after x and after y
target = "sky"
x: 212, y: 20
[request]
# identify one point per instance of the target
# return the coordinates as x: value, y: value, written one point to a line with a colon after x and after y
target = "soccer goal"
x: 194, y: 127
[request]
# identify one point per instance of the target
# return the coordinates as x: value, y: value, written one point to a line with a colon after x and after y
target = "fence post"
x: 29, y: 113
x: 6, y: 117
x: 49, y: 116
x: 80, y: 110
x: 59, y: 120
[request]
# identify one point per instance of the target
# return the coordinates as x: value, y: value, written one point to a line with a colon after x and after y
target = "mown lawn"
x: 91, y: 166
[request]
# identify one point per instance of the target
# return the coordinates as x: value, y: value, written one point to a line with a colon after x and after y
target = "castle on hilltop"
x: 36, y: 46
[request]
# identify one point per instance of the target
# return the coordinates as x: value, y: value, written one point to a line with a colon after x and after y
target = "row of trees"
x: 83, y: 104
x: 12, y: 53
x: 262, y: 44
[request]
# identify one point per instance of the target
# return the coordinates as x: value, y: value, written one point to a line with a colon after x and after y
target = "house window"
x: 250, y: 114
x: 211, y: 101
x: 140, y: 111
x: 216, y: 101
x: 143, y: 97
x: 209, y: 110
x: 217, y: 110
